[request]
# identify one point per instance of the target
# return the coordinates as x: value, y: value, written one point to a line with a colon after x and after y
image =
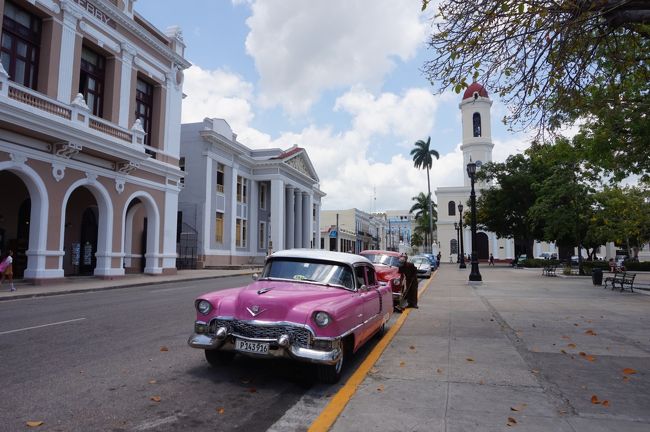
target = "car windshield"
x: 420, y: 260
x: 323, y: 272
x: 388, y: 260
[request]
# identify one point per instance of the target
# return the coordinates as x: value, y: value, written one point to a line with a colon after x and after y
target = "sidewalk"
x: 518, y: 352
x: 89, y: 283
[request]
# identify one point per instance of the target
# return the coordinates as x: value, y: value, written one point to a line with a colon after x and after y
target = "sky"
x: 340, y: 78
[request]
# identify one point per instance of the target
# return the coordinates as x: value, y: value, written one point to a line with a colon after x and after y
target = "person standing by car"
x: 410, y: 279
x: 7, y: 271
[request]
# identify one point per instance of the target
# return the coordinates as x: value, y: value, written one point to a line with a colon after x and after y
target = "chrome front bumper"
x: 227, y: 343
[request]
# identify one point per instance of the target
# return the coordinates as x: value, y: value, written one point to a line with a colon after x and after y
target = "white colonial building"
x: 90, y: 108
x: 240, y: 204
x: 476, y: 146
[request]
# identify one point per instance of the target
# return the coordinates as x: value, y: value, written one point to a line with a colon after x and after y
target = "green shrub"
x: 538, y: 263
x: 637, y: 266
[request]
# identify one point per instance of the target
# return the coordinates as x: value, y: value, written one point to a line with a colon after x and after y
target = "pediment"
x: 301, y: 163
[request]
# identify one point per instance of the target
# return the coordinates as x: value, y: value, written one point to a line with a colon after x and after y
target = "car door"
x: 370, y: 298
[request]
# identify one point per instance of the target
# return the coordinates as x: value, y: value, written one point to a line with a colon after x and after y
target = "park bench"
x: 622, y: 280
x: 549, y: 270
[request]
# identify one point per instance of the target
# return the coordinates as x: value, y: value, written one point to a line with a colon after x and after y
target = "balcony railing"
x: 39, y: 102
x: 76, y: 112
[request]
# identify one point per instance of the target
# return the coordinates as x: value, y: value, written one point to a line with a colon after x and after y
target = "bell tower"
x: 477, y: 127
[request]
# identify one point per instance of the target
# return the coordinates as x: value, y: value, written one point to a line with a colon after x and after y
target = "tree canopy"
x: 544, y: 58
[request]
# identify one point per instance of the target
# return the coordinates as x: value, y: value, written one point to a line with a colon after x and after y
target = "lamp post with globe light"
x: 457, y: 242
x: 474, y: 274
x: 460, y: 229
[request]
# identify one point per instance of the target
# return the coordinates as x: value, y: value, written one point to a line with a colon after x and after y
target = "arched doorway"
x: 141, y: 225
x: 15, y: 216
x: 81, y: 233
x: 482, y: 246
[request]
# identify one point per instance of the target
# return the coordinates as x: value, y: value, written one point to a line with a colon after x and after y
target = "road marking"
x: 41, y: 326
x: 155, y: 423
x: 335, y: 407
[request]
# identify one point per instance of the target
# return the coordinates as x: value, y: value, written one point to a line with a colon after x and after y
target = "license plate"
x: 252, y: 347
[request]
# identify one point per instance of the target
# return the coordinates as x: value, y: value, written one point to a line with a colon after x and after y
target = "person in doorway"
x: 7, y: 271
x: 491, y: 262
x: 410, y: 273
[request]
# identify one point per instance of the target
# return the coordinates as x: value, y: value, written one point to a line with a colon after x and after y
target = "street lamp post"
x: 474, y: 274
x: 457, y: 242
x: 460, y: 229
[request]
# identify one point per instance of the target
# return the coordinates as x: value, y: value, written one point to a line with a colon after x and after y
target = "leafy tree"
x: 622, y: 215
x: 422, y: 158
x: 542, y: 57
x: 503, y: 208
x: 416, y: 239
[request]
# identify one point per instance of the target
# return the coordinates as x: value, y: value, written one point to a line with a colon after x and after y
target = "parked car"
x: 307, y: 305
x: 387, y: 265
x: 422, y: 264
x: 432, y: 260
x: 545, y: 255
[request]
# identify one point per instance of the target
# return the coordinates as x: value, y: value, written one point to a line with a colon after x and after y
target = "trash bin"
x: 597, y: 276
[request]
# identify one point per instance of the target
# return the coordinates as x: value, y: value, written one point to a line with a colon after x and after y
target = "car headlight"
x: 397, y: 281
x: 322, y: 319
x: 203, y: 306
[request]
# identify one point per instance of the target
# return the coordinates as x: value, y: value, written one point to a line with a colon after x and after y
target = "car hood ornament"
x: 255, y: 310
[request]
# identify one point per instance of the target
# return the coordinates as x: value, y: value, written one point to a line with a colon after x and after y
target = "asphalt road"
x: 118, y: 360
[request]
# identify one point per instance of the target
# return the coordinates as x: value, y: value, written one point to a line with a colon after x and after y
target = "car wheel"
x: 381, y: 332
x: 331, y: 374
x: 218, y: 358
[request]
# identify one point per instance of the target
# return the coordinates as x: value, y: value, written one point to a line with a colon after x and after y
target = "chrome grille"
x: 299, y: 335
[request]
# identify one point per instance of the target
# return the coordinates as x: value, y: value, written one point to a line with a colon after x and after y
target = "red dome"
x: 475, y: 87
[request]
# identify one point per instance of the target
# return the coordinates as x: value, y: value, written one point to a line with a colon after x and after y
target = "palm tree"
x: 421, y: 209
x: 422, y: 159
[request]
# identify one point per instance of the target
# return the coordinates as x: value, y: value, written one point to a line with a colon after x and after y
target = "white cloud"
x: 217, y: 93
x: 302, y: 49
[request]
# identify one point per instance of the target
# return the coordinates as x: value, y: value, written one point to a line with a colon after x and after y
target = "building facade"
x: 239, y: 204
x: 351, y: 230
x: 90, y: 106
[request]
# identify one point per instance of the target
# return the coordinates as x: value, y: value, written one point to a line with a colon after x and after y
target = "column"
x: 169, y: 231
x: 290, y: 219
x: 509, y: 248
x: 297, y: 232
x: 317, y: 227
x: 495, y: 246
x: 307, y: 220
x: 252, y: 216
x: 71, y: 16
x: 128, y: 53
x: 230, y: 222
x: 277, y: 219
x: 207, y: 210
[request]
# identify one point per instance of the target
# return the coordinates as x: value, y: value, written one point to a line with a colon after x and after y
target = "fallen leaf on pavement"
x: 511, y: 421
x: 374, y: 370
x: 401, y: 364
x: 571, y: 345
x: 152, y: 381
x: 605, y: 403
x: 626, y: 378
x: 34, y: 423
x: 582, y: 354
x: 164, y: 348
x: 562, y: 412
x: 566, y: 337
x: 535, y: 371
x: 155, y: 398
x: 514, y: 409
x: 469, y: 359
x: 412, y: 347
x: 594, y: 400
x: 629, y: 371
x: 590, y: 358
x: 590, y: 332
x: 576, y: 324
x: 220, y: 410
x: 380, y: 388
x: 439, y: 370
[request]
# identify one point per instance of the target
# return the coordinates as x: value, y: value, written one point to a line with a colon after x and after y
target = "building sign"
x: 94, y: 11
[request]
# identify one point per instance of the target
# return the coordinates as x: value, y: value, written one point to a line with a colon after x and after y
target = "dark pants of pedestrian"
x: 412, y: 294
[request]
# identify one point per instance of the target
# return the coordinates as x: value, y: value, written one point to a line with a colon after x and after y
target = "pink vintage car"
x: 307, y: 305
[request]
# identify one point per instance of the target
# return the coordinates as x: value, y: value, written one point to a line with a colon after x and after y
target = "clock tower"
x: 477, y: 129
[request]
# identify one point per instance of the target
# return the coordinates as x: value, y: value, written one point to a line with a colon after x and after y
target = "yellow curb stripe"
x: 335, y: 407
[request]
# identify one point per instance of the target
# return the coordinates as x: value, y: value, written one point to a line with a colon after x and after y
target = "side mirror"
x: 363, y: 288
x: 255, y: 276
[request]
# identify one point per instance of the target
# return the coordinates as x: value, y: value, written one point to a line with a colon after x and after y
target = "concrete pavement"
x: 518, y: 352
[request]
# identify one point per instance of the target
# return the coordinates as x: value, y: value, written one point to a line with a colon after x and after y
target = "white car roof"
x: 319, y: 254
